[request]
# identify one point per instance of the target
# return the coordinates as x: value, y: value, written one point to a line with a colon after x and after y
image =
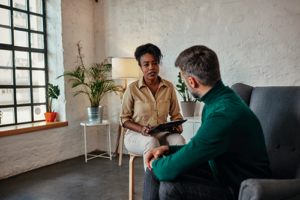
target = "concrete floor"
x: 99, y: 178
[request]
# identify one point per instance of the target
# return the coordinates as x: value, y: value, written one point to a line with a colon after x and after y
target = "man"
x: 228, y: 148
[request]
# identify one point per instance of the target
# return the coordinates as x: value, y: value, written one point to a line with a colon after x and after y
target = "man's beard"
x: 194, y: 92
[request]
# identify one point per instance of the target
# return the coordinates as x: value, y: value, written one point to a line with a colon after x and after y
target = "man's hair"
x: 201, y: 63
x: 148, y: 48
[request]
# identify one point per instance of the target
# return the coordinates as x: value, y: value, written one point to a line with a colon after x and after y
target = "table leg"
x: 85, y: 153
x: 109, y: 142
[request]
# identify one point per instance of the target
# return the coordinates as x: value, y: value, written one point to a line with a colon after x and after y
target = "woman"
x: 147, y: 103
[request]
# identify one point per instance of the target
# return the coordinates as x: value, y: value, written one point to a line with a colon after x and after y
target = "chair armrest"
x: 254, y: 189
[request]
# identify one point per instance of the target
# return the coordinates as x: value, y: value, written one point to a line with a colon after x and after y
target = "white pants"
x: 136, y: 143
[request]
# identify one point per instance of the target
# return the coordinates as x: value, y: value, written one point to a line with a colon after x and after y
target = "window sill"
x: 31, y: 127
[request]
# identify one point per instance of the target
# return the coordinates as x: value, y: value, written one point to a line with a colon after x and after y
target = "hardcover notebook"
x: 167, y: 125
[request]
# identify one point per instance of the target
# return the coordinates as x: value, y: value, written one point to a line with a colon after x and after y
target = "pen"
x: 147, y: 127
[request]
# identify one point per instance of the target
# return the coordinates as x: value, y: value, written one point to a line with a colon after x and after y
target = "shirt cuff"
x: 177, y: 116
x: 123, y: 120
x: 174, y: 148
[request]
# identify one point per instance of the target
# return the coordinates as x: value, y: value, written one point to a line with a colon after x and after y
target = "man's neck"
x: 204, y: 89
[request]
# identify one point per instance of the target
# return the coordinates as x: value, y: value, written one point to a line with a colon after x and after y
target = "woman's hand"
x: 176, y: 129
x: 145, y: 130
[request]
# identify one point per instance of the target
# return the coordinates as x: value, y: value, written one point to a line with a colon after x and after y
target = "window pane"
x: 38, y: 77
x: 24, y: 114
x: 36, y: 6
x: 5, y: 2
x: 20, y: 20
x: 6, y: 77
x: 21, y: 38
x: 38, y: 112
x: 6, y: 97
x: 22, y: 77
x: 37, y: 60
x: 7, y: 116
x: 5, y: 35
x: 5, y: 58
x: 36, y: 23
x: 23, y: 95
x: 37, y: 41
x: 39, y: 95
x: 4, y: 17
x: 21, y: 4
x: 21, y: 59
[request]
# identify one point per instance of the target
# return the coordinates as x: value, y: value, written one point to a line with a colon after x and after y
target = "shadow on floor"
x: 74, y: 179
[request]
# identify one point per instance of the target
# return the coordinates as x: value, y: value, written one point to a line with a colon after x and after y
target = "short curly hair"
x: 201, y: 63
x: 148, y: 48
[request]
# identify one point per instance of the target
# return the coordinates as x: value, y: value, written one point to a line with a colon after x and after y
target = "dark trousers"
x: 197, y: 185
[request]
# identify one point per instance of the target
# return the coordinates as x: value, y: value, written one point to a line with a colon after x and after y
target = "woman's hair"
x: 201, y: 63
x: 148, y: 48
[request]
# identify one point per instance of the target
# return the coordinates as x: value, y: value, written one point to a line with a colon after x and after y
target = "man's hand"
x: 153, y: 154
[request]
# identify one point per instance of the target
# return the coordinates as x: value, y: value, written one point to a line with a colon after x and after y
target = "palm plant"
x: 93, y: 80
x: 52, y: 93
x: 183, y: 90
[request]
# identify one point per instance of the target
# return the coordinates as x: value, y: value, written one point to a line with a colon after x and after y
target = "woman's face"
x: 150, y: 67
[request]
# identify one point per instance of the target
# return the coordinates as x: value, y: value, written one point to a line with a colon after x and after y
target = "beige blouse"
x: 140, y: 106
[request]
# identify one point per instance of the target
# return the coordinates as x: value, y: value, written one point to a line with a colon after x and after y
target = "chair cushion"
x: 278, y: 109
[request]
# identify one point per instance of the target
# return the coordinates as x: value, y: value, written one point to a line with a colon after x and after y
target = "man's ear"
x: 193, y: 82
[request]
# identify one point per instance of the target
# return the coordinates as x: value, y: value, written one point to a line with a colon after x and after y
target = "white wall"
x: 68, y: 21
x: 258, y: 42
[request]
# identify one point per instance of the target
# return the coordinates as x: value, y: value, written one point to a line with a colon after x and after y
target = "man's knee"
x: 168, y: 190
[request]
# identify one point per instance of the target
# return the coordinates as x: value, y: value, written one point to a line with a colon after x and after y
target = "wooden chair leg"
x: 131, y: 177
x: 118, y: 140
x: 121, y: 146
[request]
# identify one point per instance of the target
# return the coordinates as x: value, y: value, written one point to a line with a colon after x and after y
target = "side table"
x: 190, y: 127
x: 104, y: 123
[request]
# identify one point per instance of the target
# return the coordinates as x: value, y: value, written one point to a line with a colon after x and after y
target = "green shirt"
x: 230, y: 139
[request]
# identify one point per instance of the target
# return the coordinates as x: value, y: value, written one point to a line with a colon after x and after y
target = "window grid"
x: 11, y: 47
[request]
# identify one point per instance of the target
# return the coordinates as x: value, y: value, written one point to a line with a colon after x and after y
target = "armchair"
x: 278, y: 109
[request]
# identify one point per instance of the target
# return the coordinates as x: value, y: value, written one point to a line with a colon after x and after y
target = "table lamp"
x: 124, y: 68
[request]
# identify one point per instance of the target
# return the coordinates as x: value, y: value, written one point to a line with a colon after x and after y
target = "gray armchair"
x: 278, y: 109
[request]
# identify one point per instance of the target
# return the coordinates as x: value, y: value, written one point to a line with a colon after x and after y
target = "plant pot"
x: 50, y: 116
x: 188, y: 108
x: 95, y: 114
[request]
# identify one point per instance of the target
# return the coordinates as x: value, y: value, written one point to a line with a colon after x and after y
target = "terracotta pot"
x: 50, y: 116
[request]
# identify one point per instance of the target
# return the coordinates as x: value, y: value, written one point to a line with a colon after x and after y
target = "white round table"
x: 103, y: 155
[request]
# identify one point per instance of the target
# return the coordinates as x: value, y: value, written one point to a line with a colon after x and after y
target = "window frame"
x: 11, y: 47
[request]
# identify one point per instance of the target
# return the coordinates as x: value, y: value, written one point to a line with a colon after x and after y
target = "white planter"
x: 188, y: 108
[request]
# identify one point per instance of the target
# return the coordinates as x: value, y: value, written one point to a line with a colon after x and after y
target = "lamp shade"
x: 125, y: 68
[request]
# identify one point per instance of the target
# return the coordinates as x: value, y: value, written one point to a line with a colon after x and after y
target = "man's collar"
x: 211, y: 95
x: 161, y: 82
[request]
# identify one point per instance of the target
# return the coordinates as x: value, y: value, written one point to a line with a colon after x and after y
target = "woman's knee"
x: 175, y: 139
x: 150, y: 143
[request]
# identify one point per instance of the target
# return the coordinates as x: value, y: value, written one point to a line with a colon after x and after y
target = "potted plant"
x: 52, y: 93
x: 93, y: 83
x: 188, y: 105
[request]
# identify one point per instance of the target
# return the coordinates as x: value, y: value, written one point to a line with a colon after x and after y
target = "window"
x: 23, y: 70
